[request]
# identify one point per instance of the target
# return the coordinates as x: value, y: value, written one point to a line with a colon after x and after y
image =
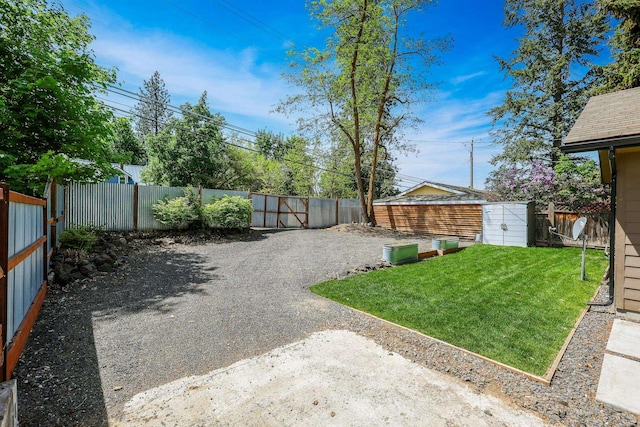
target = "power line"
x: 247, y: 17
x: 134, y: 96
x: 215, y: 27
x: 311, y: 165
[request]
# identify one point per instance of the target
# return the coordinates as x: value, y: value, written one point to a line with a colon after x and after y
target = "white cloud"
x: 464, y: 78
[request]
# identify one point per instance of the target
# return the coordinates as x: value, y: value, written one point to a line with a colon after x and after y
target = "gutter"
x: 612, y: 230
x: 601, y: 144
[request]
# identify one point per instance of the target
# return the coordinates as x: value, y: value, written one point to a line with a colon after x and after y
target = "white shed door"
x: 492, y: 233
x: 505, y: 224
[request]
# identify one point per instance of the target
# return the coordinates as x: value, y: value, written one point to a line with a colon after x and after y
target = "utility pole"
x: 471, y: 167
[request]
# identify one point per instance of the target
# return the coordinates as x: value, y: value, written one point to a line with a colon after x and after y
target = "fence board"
x: 596, y: 229
x: 148, y: 196
x: 108, y: 206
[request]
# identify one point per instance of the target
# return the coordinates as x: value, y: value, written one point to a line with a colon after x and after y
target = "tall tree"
x: 364, y: 81
x: 124, y: 144
x: 551, y: 75
x: 624, y: 71
x: 152, y: 111
x: 193, y: 151
x: 48, y: 112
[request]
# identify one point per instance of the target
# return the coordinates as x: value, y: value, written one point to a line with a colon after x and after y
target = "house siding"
x: 462, y: 220
x: 627, y: 266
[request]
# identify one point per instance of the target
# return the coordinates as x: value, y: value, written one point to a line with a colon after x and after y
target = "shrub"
x: 228, y: 212
x: 179, y: 212
x: 79, y: 238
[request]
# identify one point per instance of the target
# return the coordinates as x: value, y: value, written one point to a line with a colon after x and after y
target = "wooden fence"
x: 597, y: 228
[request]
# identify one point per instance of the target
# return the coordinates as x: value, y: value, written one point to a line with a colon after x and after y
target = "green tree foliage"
x: 364, y: 81
x: 573, y: 184
x: 338, y: 178
x: 151, y: 112
x: 551, y: 76
x: 124, y: 143
x: 192, y: 151
x: 272, y: 146
x: 284, y: 165
x: 48, y: 112
x: 624, y: 71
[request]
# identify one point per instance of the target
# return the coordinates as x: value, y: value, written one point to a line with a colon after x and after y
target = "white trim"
x: 431, y: 202
x: 433, y: 185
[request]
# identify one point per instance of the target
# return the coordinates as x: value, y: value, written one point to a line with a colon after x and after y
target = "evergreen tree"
x: 152, y: 112
x: 190, y: 150
x: 193, y: 151
x: 124, y: 144
x: 551, y: 76
x: 624, y: 72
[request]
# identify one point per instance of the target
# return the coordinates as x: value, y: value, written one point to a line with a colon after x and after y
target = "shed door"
x: 492, y: 233
x: 505, y: 224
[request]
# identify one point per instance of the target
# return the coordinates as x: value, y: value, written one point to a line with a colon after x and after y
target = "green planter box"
x: 399, y: 253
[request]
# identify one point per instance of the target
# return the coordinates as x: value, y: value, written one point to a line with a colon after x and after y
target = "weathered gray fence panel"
x: 148, y: 195
x: 108, y: 206
x: 111, y: 206
x: 208, y: 194
x: 322, y: 213
x: 349, y: 211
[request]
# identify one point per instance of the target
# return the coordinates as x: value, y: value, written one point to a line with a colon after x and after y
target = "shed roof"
x: 453, y: 195
x: 612, y: 119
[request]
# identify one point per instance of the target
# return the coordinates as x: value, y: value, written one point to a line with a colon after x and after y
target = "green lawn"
x: 513, y: 305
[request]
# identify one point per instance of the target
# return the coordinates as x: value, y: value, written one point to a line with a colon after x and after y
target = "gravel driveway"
x: 176, y: 310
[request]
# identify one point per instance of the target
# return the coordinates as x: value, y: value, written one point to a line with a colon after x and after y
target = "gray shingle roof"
x: 606, y: 119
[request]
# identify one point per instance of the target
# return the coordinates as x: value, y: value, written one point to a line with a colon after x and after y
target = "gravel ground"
x: 176, y: 309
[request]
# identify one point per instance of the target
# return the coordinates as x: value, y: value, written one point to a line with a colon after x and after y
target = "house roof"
x: 132, y: 170
x: 612, y: 119
x: 450, y: 194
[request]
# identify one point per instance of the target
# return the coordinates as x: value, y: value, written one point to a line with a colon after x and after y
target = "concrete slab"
x: 625, y: 338
x: 331, y: 378
x: 620, y: 383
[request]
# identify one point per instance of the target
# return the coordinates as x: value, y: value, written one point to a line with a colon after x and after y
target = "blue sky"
x: 235, y: 50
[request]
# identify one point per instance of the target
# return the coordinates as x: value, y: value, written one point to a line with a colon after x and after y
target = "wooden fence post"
x: 53, y: 213
x: 251, y: 201
x: 551, y: 216
x: 337, y: 210
x: 4, y: 270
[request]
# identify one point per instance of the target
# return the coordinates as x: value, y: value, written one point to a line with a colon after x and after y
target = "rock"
x: 106, y: 268
x: 107, y: 259
x: 87, y: 270
x: 76, y: 275
x: 122, y: 241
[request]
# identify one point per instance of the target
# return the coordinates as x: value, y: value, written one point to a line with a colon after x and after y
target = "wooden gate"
x: 279, y: 211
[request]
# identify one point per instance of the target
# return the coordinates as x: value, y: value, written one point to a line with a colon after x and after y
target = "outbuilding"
x: 610, y: 125
x: 433, y: 208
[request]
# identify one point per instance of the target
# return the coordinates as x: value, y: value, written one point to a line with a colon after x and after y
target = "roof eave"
x: 600, y: 144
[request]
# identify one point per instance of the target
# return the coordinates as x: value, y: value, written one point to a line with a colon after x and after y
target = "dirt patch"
x: 368, y: 230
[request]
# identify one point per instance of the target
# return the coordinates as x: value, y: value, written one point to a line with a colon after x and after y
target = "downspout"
x: 612, y: 229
